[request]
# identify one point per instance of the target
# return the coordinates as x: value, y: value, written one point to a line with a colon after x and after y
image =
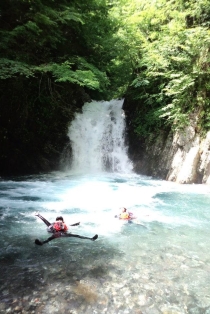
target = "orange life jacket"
x: 124, y: 215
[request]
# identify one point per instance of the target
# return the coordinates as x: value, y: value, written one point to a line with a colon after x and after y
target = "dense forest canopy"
x: 168, y: 44
x: 54, y: 55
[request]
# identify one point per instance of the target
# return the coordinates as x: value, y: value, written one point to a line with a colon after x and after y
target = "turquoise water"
x: 159, y: 263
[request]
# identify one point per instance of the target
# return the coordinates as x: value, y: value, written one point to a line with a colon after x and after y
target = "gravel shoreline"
x: 105, y: 280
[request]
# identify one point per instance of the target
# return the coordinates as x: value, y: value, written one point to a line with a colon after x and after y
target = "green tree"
x: 48, y: 66
x: 168, y: 45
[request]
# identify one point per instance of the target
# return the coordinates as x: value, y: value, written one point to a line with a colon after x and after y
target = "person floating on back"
x: 59, y: 229
x: 58, y: 225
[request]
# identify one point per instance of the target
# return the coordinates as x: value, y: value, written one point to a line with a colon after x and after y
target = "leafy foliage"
x: 10, y: 68
x: 49, y: 61
x: 54, y: 55
x: 168, y: 43
x: 47, y: 33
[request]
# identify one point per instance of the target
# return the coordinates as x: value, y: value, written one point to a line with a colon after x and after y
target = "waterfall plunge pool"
x: 162, y: 266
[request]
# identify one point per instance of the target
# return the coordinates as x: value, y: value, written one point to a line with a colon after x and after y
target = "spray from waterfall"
x: 97, y: 137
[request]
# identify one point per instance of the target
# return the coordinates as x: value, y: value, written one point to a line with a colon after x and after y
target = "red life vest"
x: 59, y: 226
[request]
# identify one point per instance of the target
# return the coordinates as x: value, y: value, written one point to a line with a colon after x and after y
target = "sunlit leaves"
x: 47, y: 35
x: 9, y: 68
x: 63, y: 73
x: 168, y: 43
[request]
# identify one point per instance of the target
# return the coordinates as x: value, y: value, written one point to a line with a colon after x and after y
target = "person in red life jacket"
x: 59, y: 229
x: 58, y: 225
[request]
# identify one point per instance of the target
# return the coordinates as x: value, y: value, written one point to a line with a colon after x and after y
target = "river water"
x: 158, y: 263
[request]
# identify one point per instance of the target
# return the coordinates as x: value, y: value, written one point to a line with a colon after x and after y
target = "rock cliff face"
x: 182, y: 156
x: 190, y: 162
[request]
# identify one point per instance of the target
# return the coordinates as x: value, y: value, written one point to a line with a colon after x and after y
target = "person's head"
x: 123, y: 209
x: 59, y: 218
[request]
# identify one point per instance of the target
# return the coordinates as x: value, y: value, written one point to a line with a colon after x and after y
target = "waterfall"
x: 97, y: 137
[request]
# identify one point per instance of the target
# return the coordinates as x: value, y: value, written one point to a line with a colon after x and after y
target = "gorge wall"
x: 33, y: 127
x: 181, y: 156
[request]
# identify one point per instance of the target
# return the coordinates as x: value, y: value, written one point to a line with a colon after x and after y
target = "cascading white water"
x: 97, y: 138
